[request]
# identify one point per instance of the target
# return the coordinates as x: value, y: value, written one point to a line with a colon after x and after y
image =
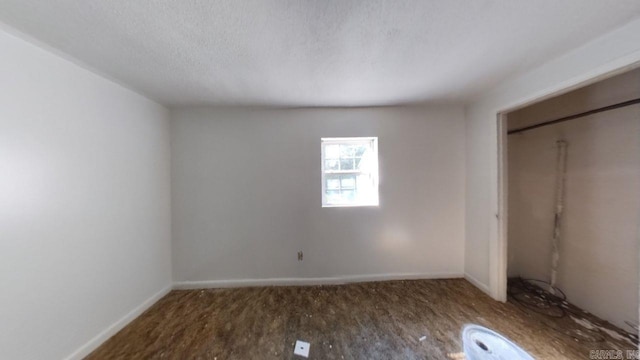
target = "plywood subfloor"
x: 380, y: 320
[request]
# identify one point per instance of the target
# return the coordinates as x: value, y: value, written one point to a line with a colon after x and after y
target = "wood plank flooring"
x: 379, y: 320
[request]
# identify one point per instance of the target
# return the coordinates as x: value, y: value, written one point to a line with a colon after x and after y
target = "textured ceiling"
x: 314, y: 53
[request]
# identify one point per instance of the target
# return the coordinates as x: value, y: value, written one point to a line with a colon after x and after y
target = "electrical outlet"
x: 300, y: 255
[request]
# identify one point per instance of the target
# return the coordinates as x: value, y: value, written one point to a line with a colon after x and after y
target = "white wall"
x: 84, y: 204
x: 608, y: 53
x: 599, y: 238
x: 246, y: 192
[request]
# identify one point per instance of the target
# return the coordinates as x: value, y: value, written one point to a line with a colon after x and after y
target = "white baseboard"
x: 477, y: 283
x: 93, y: 344
x: 182, y: 285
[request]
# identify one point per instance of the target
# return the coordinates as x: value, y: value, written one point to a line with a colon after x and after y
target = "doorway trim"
x: 500, y: 278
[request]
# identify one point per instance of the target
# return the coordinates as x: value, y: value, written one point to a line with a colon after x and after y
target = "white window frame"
x: 370, y: 141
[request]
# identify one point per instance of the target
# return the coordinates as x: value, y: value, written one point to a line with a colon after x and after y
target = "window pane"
x: 365, y: 163
x: 331, y: 165
x: 333, y: 196
x: 333, y: 183
x: 348, y: 195
x: 346, y: 164
x: 347, y: 151
x: 366, y: 187
x: 332, y: 151
x: 360, y: 150
x: 358, y: 163
x: 348, y: 182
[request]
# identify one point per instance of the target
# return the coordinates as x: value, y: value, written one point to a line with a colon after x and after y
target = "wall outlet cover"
x: 302, y: 348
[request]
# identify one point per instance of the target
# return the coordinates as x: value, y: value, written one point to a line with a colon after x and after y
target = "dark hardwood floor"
x: 380, y: 320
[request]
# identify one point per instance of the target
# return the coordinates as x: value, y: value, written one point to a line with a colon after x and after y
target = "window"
x: 350, y: 171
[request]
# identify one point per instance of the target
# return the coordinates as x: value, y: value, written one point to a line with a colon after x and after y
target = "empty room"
x: 319, y: 179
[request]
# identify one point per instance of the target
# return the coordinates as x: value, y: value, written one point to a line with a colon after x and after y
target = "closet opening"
x: 570, y: 195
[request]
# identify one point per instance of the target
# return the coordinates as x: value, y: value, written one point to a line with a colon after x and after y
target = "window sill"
x: 351, y: 205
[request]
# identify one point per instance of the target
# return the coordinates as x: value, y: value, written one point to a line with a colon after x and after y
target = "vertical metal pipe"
x: 561, y: 169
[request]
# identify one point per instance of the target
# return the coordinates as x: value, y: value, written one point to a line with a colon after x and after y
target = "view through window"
x: 350, y: 171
